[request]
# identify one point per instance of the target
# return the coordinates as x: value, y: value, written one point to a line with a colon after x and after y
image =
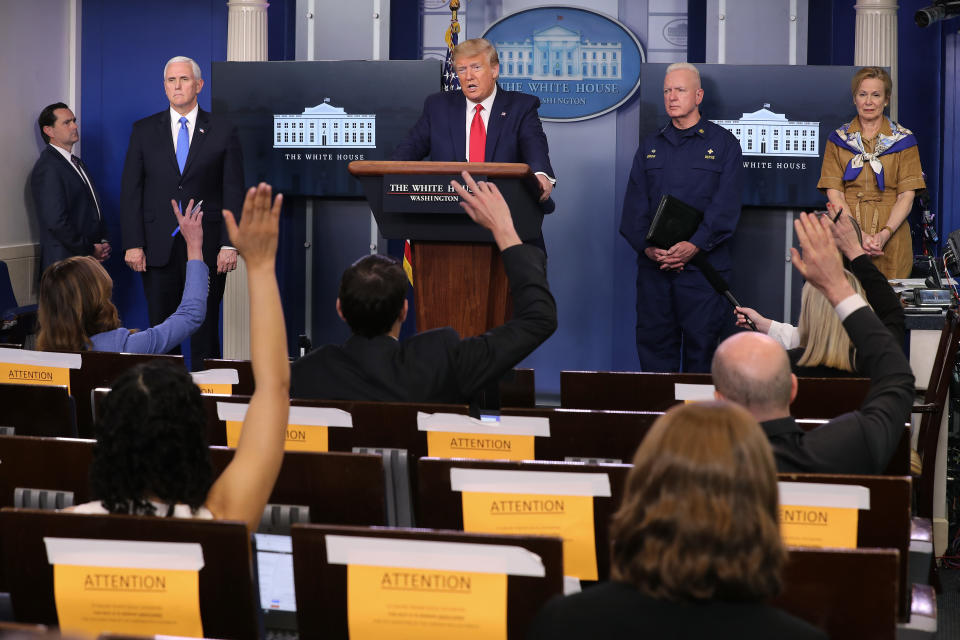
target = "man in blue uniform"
x: 698, y: 162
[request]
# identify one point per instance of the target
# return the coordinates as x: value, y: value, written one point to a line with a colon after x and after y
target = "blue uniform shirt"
x: 701, y: 166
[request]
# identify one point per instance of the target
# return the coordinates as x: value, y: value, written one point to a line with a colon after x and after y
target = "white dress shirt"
x: 175, y: 124
x: 191, y: 125
x: 487, y: 105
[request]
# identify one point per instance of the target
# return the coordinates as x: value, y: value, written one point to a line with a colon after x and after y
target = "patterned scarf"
x: 900, y: 138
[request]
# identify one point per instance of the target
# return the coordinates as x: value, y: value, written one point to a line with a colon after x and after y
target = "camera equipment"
x: 939, y: 10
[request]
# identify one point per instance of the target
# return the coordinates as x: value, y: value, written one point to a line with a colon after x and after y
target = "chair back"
x: 229, y: 606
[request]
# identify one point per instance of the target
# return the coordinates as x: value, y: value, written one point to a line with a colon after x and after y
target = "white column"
x: 247, y: 30
x: 876, y: 43
x: 246, y: 41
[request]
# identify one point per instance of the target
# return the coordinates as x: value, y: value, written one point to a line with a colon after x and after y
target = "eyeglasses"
x: 476, y: 68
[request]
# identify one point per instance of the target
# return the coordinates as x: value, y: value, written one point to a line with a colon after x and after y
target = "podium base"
x: 460, y: 285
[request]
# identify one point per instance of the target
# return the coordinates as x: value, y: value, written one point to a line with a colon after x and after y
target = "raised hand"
x: 484, y: 203
x: 257, y: 234
x: 820, y: 261
x: 191, y: 227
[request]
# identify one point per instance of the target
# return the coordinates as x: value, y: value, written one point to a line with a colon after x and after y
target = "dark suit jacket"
x: 514, y: 132
x: 435, y: 366
x: 69, y: 223
x: 861, y: 441
x: 618, y: 611
x: 151, y: 178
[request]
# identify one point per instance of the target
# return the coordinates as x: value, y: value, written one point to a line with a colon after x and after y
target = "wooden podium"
x: 459, y: 280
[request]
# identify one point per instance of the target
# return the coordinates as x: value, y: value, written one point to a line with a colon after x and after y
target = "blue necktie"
x: 183, y: 144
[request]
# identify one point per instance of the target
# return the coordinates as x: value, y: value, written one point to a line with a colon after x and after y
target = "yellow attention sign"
x: 34, y: 374
x: 92, y: 600
x: 212, y: 387
x: 567, y: 517
x: 297, y: 438
x: 425, y: 604
x: 819, y: 526
x: 480, y: 446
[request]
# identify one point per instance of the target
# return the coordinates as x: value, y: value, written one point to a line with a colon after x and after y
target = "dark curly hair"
x: 151, y: 442
x: 699, y: 520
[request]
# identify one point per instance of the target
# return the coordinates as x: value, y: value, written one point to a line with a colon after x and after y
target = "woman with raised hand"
x: 819, y: 346
x: 75, y: 312
x: 151, y: 456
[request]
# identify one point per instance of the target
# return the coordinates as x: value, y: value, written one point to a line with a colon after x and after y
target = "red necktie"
x: 478, y: 137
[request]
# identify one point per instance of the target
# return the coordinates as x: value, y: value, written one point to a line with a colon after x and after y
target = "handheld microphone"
x: 718, y: 283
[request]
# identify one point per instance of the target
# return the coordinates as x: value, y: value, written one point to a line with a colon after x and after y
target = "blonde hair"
x: 475, y: 47
x: 824, y: 340
x: 877, y: 73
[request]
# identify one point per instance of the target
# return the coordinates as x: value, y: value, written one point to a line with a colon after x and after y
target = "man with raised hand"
x: 753, y: 370
x: 436, y: 365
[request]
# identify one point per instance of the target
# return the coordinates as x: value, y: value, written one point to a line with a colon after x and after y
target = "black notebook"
x: 674, y: 221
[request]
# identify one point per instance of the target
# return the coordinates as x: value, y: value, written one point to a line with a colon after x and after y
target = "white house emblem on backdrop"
x: 765, y: 133
x: 558, y: 53
x: 324, y: 126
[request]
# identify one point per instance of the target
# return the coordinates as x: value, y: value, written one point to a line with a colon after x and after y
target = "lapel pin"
x: 503, y: 114
x: 201, y: 130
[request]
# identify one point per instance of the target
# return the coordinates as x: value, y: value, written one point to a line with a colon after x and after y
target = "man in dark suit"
x: 181, y: 153
x: 482, y: 122
x: 71, y: 223
x: 433, y: 366
x: 753, y: 370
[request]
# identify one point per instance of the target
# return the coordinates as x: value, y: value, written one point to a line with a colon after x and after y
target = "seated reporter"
x: 75, y: 312
x: 753, y: 370
x: 696, y: 540
x: 151, y: 456
x: 819, y: 346
x: 436, y: 365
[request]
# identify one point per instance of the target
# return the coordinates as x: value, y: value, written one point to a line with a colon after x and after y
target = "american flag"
x: 450, y: 82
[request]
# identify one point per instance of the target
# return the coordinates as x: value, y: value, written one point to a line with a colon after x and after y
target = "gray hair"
x: 196, y: 68
x: 683, y: 66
